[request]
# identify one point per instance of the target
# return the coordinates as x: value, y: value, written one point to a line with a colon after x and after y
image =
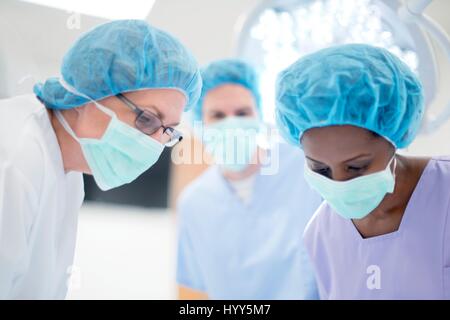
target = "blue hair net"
x: 121, y: 56
x: 228, y: 71
x: 354, y: 84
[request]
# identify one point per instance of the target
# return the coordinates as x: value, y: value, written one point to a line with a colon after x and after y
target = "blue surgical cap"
x: 121, y: 56
x: 354, y: 84
x: 228, y: 71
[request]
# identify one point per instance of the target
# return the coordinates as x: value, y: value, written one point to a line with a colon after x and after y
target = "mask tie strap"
x: 394, y: 158
x: 64, y: 123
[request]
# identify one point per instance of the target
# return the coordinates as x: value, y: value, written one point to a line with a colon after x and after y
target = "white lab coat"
x: 39, y: 204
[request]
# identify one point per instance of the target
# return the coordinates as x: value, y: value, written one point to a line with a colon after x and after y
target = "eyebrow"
x: 152, y: 108
x: 348, y: 160
x: 160, y: 115
x: 244, y: 108
x: 219, y: 110
x: 215, y: 111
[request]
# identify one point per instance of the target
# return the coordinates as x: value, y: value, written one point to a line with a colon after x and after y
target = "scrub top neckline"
x: 256, y: 187
x: 232, y: 194
x: 406, y: 215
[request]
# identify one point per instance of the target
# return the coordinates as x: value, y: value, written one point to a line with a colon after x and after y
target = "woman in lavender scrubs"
x: 383, y: 231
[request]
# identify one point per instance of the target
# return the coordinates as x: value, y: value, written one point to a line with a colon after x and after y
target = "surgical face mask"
x: 120, y: 155
x: 232, y: 142
x: 355, y: 198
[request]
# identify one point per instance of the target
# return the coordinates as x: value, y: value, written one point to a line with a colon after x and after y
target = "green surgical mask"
x: 120, y: 155
x: 355, y: 198
x: 232, y: 142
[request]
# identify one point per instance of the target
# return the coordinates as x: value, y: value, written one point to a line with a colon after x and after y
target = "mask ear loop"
x: 394, y: 159
x: 64, y: 123
x: 74, y: 91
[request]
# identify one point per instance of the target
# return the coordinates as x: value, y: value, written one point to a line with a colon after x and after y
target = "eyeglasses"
x: 149, y: 123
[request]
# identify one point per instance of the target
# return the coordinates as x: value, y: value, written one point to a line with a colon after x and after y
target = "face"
x: 166, y: 104
x: 227, y: 101
x: 345, y: 152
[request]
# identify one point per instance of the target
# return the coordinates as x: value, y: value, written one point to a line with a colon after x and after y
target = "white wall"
x: 207, y: 27
x: 33, y: 39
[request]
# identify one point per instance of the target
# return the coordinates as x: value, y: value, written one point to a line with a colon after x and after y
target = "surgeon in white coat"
x: 110, y: 114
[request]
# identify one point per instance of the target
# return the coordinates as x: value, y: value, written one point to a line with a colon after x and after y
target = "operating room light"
x: 284, y: 35
x: 113, y: 10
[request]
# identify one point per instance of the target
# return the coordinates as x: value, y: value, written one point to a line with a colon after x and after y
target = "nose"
x: 340, y: 175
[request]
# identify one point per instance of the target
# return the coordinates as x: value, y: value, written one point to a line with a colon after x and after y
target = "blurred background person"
x: 240, y: 227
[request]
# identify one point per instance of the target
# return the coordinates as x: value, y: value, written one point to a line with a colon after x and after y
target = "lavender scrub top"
x: 410, y: 263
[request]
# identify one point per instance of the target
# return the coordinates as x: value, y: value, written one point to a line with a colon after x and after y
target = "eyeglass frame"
x: 175, y: 135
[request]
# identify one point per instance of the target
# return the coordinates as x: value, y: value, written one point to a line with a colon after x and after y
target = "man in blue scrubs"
x: 240, y: 224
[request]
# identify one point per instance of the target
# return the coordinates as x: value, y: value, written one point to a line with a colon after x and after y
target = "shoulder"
x: 439, y: 166
x: 319, y: 225
x: 15, y: 111
x: 17, y: 114
x: 320, y: 215
x: 435, y: 178
x: 21, y: 146
x: 21, y: 104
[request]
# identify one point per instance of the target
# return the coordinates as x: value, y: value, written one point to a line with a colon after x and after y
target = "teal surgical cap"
x: 121, y: 56
x: 354, y: 84
x: 228, y: 71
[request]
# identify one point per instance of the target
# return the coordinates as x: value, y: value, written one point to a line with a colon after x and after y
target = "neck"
x: 249, y: 171
x: 388, y: 215
x: 72, y: 155
x: 406, y: 177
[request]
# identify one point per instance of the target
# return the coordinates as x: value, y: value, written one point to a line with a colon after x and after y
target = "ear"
x: 84, y: 110
x: 81, y: 120
x: 76, y: 115
x: 77, y: 110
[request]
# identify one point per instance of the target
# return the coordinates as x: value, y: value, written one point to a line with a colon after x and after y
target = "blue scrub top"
x: 234, y: 251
